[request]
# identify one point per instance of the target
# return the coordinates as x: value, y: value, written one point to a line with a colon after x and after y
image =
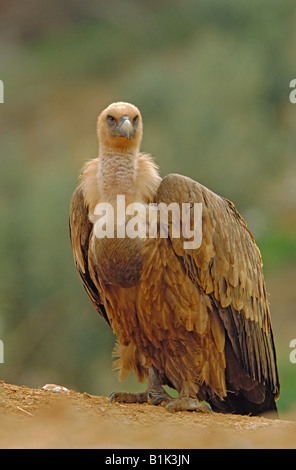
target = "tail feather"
x: 245, y: 396
x: 238, y: 403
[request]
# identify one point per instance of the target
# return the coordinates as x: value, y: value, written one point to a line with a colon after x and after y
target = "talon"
x: 207, y: 407
x: 158, y: 400
x: 157, y: 397
x: 112, y: 396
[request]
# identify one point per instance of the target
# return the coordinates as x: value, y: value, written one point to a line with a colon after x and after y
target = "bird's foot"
x: 152, y: 397
x: 126, y: 397
x: 187, y: 404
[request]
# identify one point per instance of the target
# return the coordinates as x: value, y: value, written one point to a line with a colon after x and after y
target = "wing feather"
x: 228, y: 267
x: 80, y: 234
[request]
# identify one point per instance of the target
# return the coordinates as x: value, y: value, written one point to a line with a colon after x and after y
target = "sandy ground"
x: 49, y: 419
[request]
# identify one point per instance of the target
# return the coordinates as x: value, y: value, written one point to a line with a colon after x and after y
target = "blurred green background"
x: 211, y: 79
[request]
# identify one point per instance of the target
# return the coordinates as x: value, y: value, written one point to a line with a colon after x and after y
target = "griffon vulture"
x: 195, y: 319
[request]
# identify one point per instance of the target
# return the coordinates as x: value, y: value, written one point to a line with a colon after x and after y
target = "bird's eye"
x: 111, y: 119
x: 136, y: 119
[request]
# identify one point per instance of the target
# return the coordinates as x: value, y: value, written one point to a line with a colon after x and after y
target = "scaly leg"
x: 154, y: 394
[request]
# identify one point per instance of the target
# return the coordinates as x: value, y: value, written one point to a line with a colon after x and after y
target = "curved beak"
x: 126, y: 127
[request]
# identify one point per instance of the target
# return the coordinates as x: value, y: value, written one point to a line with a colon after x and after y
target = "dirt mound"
x: 59, y: 418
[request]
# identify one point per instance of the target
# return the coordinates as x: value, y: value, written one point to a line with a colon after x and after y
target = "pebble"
x: 55, y: 388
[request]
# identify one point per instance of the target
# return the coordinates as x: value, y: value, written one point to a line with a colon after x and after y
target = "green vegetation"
x: 212, y: 81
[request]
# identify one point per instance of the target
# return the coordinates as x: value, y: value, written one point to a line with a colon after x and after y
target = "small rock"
x: 55, y: 388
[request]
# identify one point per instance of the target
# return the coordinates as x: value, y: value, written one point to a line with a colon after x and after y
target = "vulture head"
x: 120, y: 127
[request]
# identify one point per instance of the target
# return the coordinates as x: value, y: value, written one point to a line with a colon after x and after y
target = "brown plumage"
x: 198, y: 319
